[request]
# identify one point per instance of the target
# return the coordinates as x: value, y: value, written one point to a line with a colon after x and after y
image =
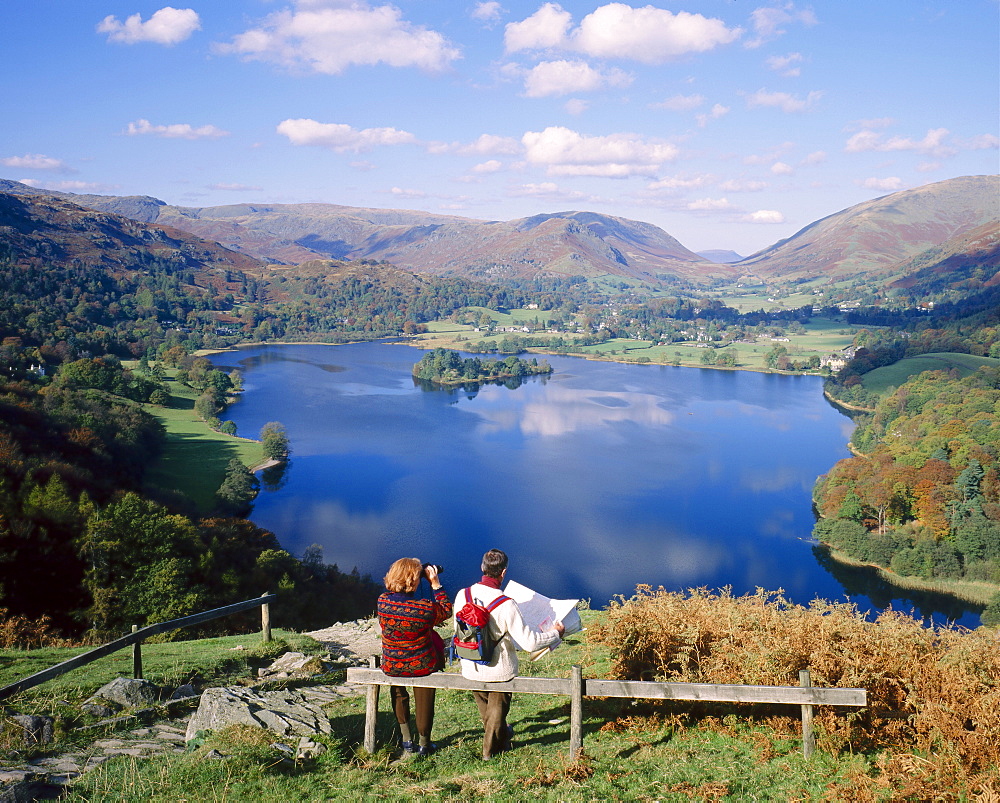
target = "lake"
x: 595, y: 479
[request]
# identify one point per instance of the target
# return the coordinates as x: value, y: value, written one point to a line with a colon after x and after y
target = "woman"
x: 410, y: 647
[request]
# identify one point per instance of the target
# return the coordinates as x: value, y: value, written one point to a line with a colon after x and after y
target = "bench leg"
x: 576, y: 714
x: 371, y: 711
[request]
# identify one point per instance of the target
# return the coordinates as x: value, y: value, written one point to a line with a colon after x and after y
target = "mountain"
x: 560, y: 244
x: 720, y: 255
x: 872, y: 240
x: 900, y: 241
x: 966, y: 262
x: 46, y: 228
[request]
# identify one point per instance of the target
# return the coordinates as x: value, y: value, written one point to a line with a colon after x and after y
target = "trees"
x: 238, y: 489
x: 275, y: 442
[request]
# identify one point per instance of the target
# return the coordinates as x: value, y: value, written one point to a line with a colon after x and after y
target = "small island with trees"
x: 446, y: 367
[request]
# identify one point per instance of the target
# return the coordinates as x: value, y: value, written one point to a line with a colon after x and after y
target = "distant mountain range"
x: 903, y: 240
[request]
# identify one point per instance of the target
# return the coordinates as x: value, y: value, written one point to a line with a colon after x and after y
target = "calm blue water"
x: 593, y: 480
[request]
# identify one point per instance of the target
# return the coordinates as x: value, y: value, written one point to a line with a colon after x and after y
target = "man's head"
x: 494, y: 563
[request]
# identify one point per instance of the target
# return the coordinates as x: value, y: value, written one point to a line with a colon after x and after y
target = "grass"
x: 194, y: 458
x: 821, y: 337
x: 167, y: 663
x: 633, y: 750
x: 629, y: 754
x: 881, y: 380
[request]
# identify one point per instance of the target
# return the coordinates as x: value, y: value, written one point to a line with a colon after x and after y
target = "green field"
x: 195, y: 457
x: 821, y: 337
x: 880, y: 380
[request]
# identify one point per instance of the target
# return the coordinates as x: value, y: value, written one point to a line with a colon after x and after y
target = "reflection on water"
x: 594, y: 479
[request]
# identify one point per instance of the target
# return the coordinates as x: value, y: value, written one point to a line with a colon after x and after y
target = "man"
x: 507, y: 627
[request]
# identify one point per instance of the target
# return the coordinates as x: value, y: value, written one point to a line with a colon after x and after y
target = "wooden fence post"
x: 265, y: 620
x: 371, y: 710
x: 136, y: 656
x: 576, y: 713
x: 808, y: 737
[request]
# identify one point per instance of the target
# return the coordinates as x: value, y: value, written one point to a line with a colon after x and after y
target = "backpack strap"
x: 497, y: 602
x: 468, y: 596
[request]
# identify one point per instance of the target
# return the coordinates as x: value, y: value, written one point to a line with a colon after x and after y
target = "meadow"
x: 882, y: 380
x: 194, y: 457
x: 928, y: 733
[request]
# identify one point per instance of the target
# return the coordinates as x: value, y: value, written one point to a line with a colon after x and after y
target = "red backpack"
x: 472, y: 639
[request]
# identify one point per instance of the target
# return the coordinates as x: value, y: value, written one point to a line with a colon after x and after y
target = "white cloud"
x: 565, y: 152
x: 576, y: 106
x: 983, y: 142
x: 566, y: 77
x: 37, y: 161
x: 547, y: 189
x: 782, y: 100
x: 649, y: 35
x: 489, y: 11
x: 782, y: 169
x: 785, y: 64
x: 223, y: 187
x: 680, y: 183
x: 933, y: 143
x: 399, y: 192
x: 341, y: 138
x: 142, y: 127
x: 489, y: 166
x: 814, y: 158
x: 889, y: 184
x: 718, y: 110
x: 546, y: 28
x: 489, y: 145
x: 70, y: 186
x: 329, y: 40
x: 680, y: 103
x: 168, y: 26
x: 764, y: 216
x: 769, y: 22
x: 543, y: 188
x: 710, y: 205
x: 743, y: 185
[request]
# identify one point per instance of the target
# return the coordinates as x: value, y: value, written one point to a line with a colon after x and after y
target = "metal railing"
x: 135, y: 639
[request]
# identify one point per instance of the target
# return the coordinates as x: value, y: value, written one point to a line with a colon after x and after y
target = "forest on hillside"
x: 921, y: 496
x: 75, y: 440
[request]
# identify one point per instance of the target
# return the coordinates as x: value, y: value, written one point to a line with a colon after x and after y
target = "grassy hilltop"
x: 929, y: 731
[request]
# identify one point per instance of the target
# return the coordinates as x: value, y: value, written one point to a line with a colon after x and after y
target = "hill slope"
x: 869, y: 240
x: 559, y: 244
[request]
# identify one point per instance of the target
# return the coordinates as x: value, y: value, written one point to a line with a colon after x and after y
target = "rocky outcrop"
x: 283, y: 712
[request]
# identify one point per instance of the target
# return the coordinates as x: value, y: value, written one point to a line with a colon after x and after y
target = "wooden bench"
x: 576, y: 688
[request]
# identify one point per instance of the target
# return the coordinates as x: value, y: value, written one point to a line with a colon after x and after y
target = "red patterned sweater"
x: 407, y: 625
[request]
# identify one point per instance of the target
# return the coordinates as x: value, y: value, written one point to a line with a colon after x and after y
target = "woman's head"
x: 404, y: 575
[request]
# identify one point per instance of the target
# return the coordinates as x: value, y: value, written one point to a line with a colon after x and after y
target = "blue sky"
x: 730, y: 124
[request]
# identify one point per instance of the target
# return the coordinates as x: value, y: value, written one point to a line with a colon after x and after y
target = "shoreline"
x: 970, y: 592
x: 973, y: 592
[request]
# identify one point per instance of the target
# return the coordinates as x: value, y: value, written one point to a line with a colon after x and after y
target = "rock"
x: 37, y: 730
x: 126, y: 693
x: 98, y: 709
x: 308, y: 749
x: 295, y: 665
x: 185, y: 691
x: 283, y: 712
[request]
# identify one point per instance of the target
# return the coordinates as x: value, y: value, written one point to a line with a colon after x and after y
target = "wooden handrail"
x: 577, y: 687
x: 135, y: 637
